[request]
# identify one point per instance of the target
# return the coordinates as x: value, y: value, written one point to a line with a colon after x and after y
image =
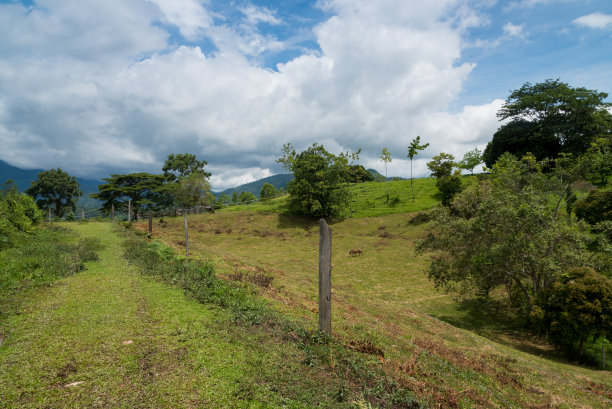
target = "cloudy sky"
x: 113, y: 86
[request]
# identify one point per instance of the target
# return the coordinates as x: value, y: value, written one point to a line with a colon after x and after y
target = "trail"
x: 108, y: 337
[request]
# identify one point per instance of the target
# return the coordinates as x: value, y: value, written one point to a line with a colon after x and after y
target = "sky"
x: 115, y: 86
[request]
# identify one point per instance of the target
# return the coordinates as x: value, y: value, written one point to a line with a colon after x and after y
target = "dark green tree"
x: 268, y: 191
x: 223, y: 199
x: 144, y: 190
x: 413, y: 150
x: 548, y: 118
x: 576, y: 309
x: 246, y: 197
x: 235, y: 197
x: 358, y: 174
x: 182, y: 164
x: 320, y: 184
x: 191, y: 190
x: 55, y: 189
x: 596, y: 207
x: 448, y: 183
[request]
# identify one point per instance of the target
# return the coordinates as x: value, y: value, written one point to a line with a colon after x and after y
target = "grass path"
x: 108, y: 337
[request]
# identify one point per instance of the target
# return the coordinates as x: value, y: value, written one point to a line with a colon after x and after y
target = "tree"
x: 192, y: 189
x: 441, y: 165
x: 596, y: 207
x: 385, y: 157
x: 503, y: 233
x: 181, y: 165
x: 413, y: 150
x: 578, y: 307
x: 268, y: 191
x: 358, y: 174
x: 235, y: 197
x: 223, y: 199
x: 548, y: 118
x: 320, y: 184
x: 144, y: 190
x: 18, y: 212
x: 470, y: 160
x: 55, y: 189
x: 246, y: 197
x: 448, y: 183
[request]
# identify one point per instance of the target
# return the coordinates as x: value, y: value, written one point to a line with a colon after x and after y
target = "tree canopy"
x: 470, y: 160
x: 320, y: 184
x: 268, y: 191
x: 182, y: 164
x: 548, y: 118
x: 56, y: 190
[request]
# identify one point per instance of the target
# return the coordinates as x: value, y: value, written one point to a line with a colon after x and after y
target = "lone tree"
x: 55, y: 189
x: 268, y: 191
x: 191, y: 190
x: 448, y: 183
x: 470, y: 160
x: 320, y: 184
x: 143, y: 189
x: 413, y: 150
x: 548, y: 118
x: 385, y: 157
x: 182, y: 164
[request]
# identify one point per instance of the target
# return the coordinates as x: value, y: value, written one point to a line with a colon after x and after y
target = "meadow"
x: 457, y: 352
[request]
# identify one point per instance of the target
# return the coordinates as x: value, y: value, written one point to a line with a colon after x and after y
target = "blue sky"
x: 114, y: 87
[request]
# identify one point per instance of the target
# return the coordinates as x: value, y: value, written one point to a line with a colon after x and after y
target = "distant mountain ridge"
x: 278, y: 181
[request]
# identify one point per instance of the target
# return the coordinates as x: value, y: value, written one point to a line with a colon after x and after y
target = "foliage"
x: 502, y: 232
x: 143, y: 189
x: 442, y: 165
x: 470, y: 160
x: 55, y: 189
x: 268, y: 191
x: 385, y: 157
x: 600, y: 155
x: 181, y: 165
x: 358, y: 174
x: 320, y: 184
x: 577, y: 308
x: 246, y: 197
x: 413, y: 150
x: 596, y: 207
x: 449, y: 186
x: 548, y: 118
x: 223, y: 199
x: 235, y: 197
x: 18, y: 213
x: 191, y: 190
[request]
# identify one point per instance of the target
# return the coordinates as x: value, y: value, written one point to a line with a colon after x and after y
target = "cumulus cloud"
x: 384, y: 72
x: 595, y: 20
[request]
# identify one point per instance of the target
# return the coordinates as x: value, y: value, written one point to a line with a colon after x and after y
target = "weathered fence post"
x: 82, y: 214
x: 186, y: 236
x: 112, y: 211
x: 150, y: 222
x: 49, y: 214
x: 129, y: 210
x: 324, y: 278
x: 603, y: 357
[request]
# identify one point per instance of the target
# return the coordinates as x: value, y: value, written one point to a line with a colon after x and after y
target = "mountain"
x: 278, y: 181
x: 381, y: 178
x: 24, y: 177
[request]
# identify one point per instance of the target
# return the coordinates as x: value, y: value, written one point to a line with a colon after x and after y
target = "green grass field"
x: 383, y: 301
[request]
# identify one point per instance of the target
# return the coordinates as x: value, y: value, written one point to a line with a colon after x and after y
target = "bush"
x: 596, y: 207
x: 448, y: 186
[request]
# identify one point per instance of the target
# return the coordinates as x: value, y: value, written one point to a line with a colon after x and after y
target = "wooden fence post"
x: 129, y: 210
x: 603, y: 357
x: 324, y: 278
x: 150, y: 222
x: 186, y: 236
x: 49, y: 214
x: 82, y: 214
x: 112, y: 211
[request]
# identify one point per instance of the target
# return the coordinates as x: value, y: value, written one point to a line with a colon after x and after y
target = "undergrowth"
x: 362, y: 377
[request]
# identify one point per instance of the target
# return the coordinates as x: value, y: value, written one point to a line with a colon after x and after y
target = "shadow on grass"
x: 307, y: 223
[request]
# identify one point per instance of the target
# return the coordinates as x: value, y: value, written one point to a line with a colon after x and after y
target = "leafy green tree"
x: 448, y: 183
x: 320, y: 184
x: 235, y: 197
x: 548, y: 118
x: 268, y: 191
x: 358, y: 174
x: 503, y: 233
x: 192, y: 190
x: 442, y: 165
x: 55, y: 189
x: 144, y: 190
x: 246, y: 197
x: 596, y: 207
x: 576, y: 309
x: 183, y: 164
x: 18, y: 213
x: 470, y: 160
x: 413, y: 150
x: 385, y: 157
x: 223, y: 199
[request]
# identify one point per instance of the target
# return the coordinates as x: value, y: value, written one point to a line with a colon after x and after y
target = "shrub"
x: 596, y: 207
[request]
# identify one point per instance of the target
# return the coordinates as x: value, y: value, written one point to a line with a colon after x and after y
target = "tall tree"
x: 413, y: 150
x: 320, y: 184
x: 556, y: 117
x: 268, y: 191
x: 385, y: 157
x: 144, y: 190
x: 55, y: 189
x: 192, y: 190
x: 182, y: 164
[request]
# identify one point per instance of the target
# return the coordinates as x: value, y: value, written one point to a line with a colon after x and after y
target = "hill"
x: 24, y: 177
x: 278, y: 181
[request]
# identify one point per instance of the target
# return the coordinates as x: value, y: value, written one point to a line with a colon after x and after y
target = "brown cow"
x: 355, y: 252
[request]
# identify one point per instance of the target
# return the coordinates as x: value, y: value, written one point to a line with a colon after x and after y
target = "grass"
x: 384, y: 304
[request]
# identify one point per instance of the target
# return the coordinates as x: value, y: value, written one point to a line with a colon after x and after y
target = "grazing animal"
x: 354, y: 252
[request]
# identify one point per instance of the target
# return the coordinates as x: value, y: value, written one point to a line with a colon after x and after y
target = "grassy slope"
x: 383, y: 299
x: 134, y: 342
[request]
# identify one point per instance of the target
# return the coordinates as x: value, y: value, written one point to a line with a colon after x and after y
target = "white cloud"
x: 386, y: 72
x: 513, y: 30
x: 595, y: 20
